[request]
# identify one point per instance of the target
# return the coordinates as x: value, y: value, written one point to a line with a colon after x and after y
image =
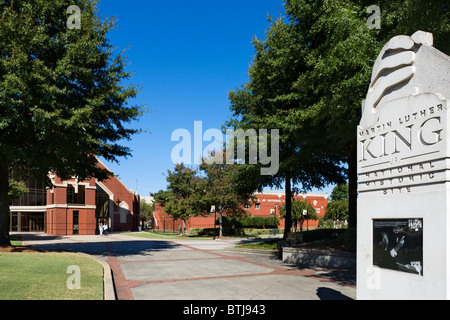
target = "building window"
x: 27, y: 221
x: 102, y: 206
x: 247, y: 206
x: 75, y: 197
x: 76, y: 222
x: 36, y: 194
x: 257, y: 206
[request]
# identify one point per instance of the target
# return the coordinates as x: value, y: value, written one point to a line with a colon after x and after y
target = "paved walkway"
x: 146, y: 269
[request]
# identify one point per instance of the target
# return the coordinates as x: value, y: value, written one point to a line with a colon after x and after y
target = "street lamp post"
x: 276, y: 216
x: 305, y: 214
x: 213, y: 208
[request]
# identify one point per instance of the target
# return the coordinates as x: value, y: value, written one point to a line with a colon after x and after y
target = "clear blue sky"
x: 187, y: 56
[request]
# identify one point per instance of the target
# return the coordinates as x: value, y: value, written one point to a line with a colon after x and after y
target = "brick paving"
x: 146, y: 269
x: 125, y: 286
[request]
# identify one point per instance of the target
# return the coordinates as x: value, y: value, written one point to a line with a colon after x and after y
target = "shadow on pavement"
x: 342, y: 276
x: 97, y: 245
x: 330, y: 294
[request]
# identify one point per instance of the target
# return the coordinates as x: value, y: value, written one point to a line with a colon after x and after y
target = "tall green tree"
x: 341, y: 50
x: 268, y: 101
x: 221, y: 187
x: 181, y: 199
x: 310, y: 75
x: 302, y: 211
x: 338, y: 208
x: 145, y: 211
x: 62, y: 97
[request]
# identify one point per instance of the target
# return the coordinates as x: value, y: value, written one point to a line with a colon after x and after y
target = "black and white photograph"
x: 398, y: 245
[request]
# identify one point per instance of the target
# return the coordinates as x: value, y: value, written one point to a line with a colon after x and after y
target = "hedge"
x: 257, y: 222
x: 248, y: 232
x: 295, y: 238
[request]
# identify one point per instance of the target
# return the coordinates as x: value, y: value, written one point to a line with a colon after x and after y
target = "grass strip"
x: 49, y: 276
x: 262, y: 245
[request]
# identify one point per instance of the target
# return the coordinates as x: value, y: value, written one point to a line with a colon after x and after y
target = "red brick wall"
x: 86, y: 221
x: 60, y: 220
x: 266, y: 202
x: 122, y: 193
x: 164, y: 221
x: 57, y: 222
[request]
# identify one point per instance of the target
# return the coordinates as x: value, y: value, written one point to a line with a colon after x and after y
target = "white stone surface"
x: 425, y: 62
x: 404, y: 166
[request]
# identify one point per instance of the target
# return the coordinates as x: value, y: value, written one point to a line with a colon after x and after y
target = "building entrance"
x: 102, y: 208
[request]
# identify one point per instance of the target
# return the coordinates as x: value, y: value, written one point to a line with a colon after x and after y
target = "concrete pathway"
x: 146, y: 269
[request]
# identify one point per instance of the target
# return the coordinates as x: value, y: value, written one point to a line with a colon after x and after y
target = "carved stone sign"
x: 405, y: 147
x: 404, y: 174
x: 403, y: 126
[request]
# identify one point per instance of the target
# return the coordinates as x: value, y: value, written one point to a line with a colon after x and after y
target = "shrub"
x: 271, y: 223
x: 246, y: 222
x: 258, y: 222
x: 249, y: 222
x: 195, y: 231
x: 350, y: 240
x: 295, y: 238
x: 332, y: 224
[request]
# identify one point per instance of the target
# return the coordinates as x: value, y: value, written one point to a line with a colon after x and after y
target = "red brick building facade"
x: 268, y: 205
x: 75, y: 207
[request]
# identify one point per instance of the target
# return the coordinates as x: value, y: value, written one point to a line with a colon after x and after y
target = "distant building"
x: 75, y: 207
x: 148, y: 200
x: 268, y: 205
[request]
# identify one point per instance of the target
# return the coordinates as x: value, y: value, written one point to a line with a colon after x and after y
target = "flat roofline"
x: 282, y: 193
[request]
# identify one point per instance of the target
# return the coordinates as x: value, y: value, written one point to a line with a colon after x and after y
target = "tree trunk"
x: 351, y: 234
x: 352, y: 188
x: 288, y: 218
x: 214, y: 234
x: 4, y: 205
x: 220, y: 223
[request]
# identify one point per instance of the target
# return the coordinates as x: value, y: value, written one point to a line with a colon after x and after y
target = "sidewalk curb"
x: 108, y: 285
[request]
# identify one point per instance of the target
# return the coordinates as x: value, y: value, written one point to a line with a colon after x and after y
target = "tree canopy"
x: 181, y: 199
x: 337, y: 208
x: 223, y: 189
x: 302, y: 210
x: 146, y: 210
x: 309, y: 76
x: 62, y: 97
x: 193, y: 192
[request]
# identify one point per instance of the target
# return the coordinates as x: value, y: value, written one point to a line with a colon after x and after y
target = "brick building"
x: 268, y: 205
x: 75, y: 207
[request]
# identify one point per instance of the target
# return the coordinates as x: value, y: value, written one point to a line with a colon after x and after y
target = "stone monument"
x: 403, y: 244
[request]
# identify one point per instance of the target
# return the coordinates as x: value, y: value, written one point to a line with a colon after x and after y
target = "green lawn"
x: 43, y: 276
x: 16, y: 240
x: 174, y: 235
x: 160, y: 235
x: 263, y: 245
